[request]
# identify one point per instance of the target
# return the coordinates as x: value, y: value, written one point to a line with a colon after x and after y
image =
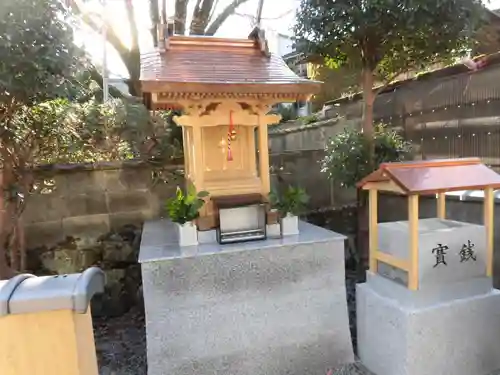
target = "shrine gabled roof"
x: 201, y: 64
x: 432, y: 176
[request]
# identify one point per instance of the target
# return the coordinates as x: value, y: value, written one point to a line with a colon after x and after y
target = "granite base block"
x: 207, y: 236
x: 273, y: 231
x: 270, y: 307
x: 456, y: 337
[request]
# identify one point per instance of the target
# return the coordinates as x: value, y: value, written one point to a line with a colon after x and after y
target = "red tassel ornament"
x: 231, y: 136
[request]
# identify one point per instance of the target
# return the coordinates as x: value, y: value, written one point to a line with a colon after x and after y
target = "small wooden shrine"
x: 433, y: 177
x: 225, y: 89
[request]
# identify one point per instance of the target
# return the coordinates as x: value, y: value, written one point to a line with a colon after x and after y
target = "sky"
x: 277, y: 17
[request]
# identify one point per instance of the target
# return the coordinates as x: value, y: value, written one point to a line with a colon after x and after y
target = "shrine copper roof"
x: 433, y: 176
x: 196, y: 64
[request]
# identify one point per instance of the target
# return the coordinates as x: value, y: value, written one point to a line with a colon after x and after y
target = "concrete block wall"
x: 302, y: 168
x: 88, y: 201
x: 307, y: 137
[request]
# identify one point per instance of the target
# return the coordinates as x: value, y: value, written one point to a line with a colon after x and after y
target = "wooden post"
x: 489, y: 205
x: 185, y: 149
x: 441, y: 206
x: 48, y: 342
x: 373, y: 228
x: 197, y: 162
x: 264, y: 158
x: 413, y: 241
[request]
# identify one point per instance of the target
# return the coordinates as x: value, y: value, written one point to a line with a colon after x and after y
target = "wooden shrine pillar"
x: 413, y: 238
x: 441, y: 206
x: 264, y: 156
x: 373, y: 228
x: 410, y: 266
x: 489, y: 212
x: 198, y: 159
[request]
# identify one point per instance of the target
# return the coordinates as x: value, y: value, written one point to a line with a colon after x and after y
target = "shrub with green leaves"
x: 347, y: 154
x: 306, y: 120
x: 292, y: 201
x: 185, y: 206
x: 288, y: 113
x: 382, y: 39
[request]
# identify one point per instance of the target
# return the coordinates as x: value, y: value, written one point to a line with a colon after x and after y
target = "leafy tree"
x: 204, y: 21
x: 287, y: 112
x: 336, y: 83
x: 348, y: 159
x: 37, y: 55
x: 347, y: 155
x: 50, y: 113
x: 384, y: 38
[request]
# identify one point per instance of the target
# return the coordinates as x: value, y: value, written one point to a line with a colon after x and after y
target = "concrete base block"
x: 270, y: 307
x: 456, y: 337
x: 207, y: 236
x: 273, y: 230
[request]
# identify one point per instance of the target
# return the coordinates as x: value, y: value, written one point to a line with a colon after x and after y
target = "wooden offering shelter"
x: 432, y: 177
x: 225, y: 89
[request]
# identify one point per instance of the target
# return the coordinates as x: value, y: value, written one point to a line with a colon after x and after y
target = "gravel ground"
x: 121, y: 342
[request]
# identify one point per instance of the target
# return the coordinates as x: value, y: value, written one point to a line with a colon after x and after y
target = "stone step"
x: 358, y: 369
x: 352, y: 369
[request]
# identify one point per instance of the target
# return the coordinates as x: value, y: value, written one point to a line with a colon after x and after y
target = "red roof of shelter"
x: 433, y: 176
x: 198, y: 64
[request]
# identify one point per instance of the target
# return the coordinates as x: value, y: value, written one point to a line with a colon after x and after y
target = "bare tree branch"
x: 113, y: 38
x: 200, y: 19
x: 164, y: 11
x: 196, y: 16
x: 211, y: 17
x: 154, y: 13
x: 133, y: 62
x: 180, y: 16
x: 222, y: 17
x: 134, y: 32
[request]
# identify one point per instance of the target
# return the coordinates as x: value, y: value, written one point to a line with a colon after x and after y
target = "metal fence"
x: 444, y: 116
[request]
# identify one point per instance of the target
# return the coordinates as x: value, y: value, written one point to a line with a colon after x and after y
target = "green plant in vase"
x: 183, y: 209
x: 290, y: 204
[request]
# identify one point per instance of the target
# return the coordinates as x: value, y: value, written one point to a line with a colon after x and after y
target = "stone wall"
x: 307, y: 137
x: 302, y: 168
x: 94, y: 216
x: 89, y: 200
x: 296, y: 153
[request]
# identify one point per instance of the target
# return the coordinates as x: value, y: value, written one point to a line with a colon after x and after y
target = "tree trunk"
x: 201, y: 15
x: 368, y: 102
x: 4, y: 266
x: 97, y: 77
x: 368, y: 132
x: 134, y: 87
x: 163, y: 11
x: 6, y: 271
x: 180, y: 16
x: 154, y: 11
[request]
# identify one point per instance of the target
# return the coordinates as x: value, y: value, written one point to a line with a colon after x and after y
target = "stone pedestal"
x: 448, y: 251
x: 454, y: 330
x: 270, y: 307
